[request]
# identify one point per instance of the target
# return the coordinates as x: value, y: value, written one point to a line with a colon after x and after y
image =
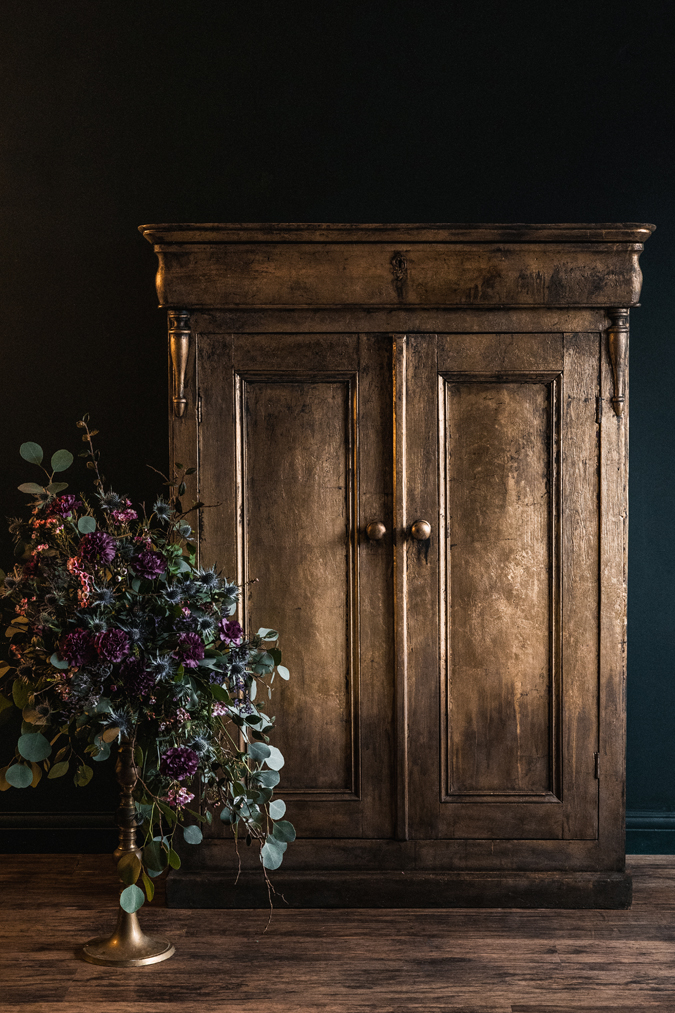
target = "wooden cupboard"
x: 417, y: 438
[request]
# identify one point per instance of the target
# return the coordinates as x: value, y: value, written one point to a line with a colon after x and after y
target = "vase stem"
x: 128, y: 946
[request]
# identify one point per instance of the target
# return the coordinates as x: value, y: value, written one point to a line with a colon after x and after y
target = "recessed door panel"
x: 296, y: 453
x: 502, y: 700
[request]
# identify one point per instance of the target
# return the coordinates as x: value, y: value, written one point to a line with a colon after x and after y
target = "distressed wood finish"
x: 358, y: 961
x: 454, y: 727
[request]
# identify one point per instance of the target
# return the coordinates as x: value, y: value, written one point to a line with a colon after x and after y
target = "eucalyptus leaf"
x: 155, y: 857
x: 149, y: 887
x: 275, y: 760
x: 129, y: 868
x: 34, y: 747
x: 32, y: 488
x: 174, y: 859
x: 31, y: 452
x: 19, y: 775
x: 37, y: 774
x: 267, y: 778
x: 272, y: 854
x: 283, y: 672
x: 57, y: 661
x: 55, y: 487
x: 284, y: 831
x: 86, y: 525
x: 277, y: 808
x: 259, y: 751
x: 266, y: 634
x: 192, y: 835
x: 103, y: 752
x: 83, y: 776
x: 110, y: 734
x: 61, y: 460
x: 59, y: 769
x: 227, y: 816
x: 131, y: 899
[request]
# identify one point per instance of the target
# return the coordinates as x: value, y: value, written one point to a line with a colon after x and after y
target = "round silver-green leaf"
x: 86, y: 525
x: 277, y: 808
x: 272, y: 854
x: 31, y: 452
x: 31, y: 488
x: 283, y: 672
x: 259, y: 751
x: 57, y: 661
x: 61, y: 460
x: 131, y: 899
x: 19, y: 775
x: 275, y: 760
x: 267, y: 778
x: 34, y: 747
x: 192, y: 835
x: 284, y: 831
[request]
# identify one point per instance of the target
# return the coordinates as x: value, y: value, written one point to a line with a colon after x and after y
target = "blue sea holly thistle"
x: 115, y: 634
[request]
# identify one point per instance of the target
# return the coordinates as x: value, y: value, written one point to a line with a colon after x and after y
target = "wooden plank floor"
x: 454, y: 961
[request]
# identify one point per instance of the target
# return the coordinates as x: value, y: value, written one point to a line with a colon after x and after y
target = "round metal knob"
x: 376, y: 530
x: 421, y: 530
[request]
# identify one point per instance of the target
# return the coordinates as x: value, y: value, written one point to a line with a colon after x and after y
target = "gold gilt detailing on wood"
x: 179, y: 346
x: 618, y: 353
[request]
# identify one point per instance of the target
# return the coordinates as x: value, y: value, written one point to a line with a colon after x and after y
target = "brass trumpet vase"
x: 128, y: 946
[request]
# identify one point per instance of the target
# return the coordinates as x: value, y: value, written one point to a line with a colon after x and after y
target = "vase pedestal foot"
x: 128, y: 946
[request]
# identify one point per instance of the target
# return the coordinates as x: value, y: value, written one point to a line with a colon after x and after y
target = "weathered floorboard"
x: 341, y: 961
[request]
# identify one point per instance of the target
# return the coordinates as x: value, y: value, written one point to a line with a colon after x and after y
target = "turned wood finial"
x: 179, y: 344
x: 618, y: 354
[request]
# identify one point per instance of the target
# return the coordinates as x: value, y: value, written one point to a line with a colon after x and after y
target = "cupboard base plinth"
x: 208, y: 889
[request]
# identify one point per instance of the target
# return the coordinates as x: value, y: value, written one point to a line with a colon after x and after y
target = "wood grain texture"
x: 339, y: 961
x: 275, y: 275
x: 436, y: 680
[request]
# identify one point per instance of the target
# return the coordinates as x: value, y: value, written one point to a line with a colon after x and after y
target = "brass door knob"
x: 376, y: 530
x: 421, y: 530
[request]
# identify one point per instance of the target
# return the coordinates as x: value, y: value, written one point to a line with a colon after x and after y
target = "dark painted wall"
x: 115, y: 114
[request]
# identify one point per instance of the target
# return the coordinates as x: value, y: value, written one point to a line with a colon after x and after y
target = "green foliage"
x: 192, y: 835
x: 31, y: 452
x: 284, y: 831
x: 272, y: 853
x: 83, y: 775
x: 59, y: 769
x: 86, y: 525
x: 131, y: 899
x: 62, y: 460
x: 277, y: 809
x: 129, y: 868
x: 34, y: 747
x: 19, y: 775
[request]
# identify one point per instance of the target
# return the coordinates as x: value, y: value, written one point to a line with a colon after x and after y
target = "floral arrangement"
x: 115, y: 634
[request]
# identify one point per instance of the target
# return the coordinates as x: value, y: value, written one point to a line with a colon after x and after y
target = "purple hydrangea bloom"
x: 190, y: 648
x: 113, y: 645
x: 136, y: 677
x: 230, y: 631
x: 148, y: 565
x: 98, y: 547
x: 78, y: 648
x: 179, y: 762
x: 63, y: 506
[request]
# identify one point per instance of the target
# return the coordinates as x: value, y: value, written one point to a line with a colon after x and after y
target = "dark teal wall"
x: 116, y: 114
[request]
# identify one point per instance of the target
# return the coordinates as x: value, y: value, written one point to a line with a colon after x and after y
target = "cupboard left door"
x: 295, y: 452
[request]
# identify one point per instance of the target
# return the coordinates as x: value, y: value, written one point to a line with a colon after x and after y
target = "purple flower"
x: 113, y: 645
x: 191, y: 649
x: 148, y: 565
x: 63, y: 506
x: 179, y: 762
x: 135, y: 676
x: 78, y: 648
x: 230, y: 631
x: 98, y: 547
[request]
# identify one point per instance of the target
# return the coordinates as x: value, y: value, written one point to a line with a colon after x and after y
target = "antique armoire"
x: 416, y: 439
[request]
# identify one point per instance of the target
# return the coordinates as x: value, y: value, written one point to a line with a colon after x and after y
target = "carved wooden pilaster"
x: 179, y: 346
x: 618, y: 354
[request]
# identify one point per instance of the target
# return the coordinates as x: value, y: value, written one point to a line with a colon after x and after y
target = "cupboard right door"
x: 501, y: 619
